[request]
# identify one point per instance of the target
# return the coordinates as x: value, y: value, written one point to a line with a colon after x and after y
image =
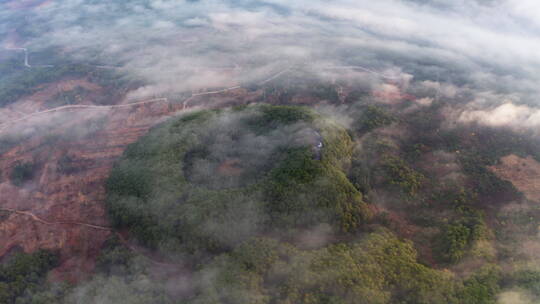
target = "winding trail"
x: 216, y: 92
x: 185, y: 102
x: 359, y: 67
x: 26, y: 63
x: 92, y: 226
x: 38, y: 219
x: 88, y: 107
x: 275, y: 76
x: 124, y: 241
x: 93, y: 107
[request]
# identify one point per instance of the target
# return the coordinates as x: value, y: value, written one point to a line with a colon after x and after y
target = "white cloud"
x: 506, y: 114
x: 175, y: 44
x: 514, y: 297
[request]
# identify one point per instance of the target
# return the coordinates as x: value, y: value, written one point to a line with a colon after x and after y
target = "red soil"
x: 55, y: 196
x: 229, y: 168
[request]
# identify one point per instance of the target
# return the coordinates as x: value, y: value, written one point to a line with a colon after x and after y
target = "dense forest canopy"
x: 211, y: 180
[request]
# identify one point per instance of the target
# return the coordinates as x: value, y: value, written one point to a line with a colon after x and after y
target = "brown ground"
x: 37, y: 101
x: 442, y: 166
x: 230, y: 168
x: 55, y: 196
x: 523, y: 173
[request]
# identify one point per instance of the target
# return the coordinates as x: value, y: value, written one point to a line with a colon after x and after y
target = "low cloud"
x: 508, y: 114
x: 514, y: 297
x: 184, y: 45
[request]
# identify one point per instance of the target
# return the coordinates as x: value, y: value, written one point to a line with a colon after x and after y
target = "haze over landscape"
x: 242, y: 151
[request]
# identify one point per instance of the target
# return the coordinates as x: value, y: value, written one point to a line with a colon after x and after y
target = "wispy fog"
x: 481, y: 57
x: 189, y: 45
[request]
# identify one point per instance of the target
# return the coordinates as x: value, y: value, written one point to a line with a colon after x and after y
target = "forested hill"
x: 269, y: 152
x: 282, y: 204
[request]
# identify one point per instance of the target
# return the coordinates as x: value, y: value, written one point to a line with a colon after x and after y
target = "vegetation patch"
x: 25, y: 273
x: 401, y: 175
x: 70, y: 97
x: 523, y: 173
x: 205, y: 182
x: 22, y: 172
x: 16, y: 82
x: 373, y: 117
x: 378, y: 269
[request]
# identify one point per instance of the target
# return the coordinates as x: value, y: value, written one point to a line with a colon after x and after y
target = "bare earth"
x: 523, y: 173
x: 59, y: 198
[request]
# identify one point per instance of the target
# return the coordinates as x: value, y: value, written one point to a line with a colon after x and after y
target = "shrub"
x: 25, y: 273
x: 66, y: 165
x: 400, y: 174
x: 372, y: 118
x: 22, y: 172
x: 457, y: 237
x: 482, y: 287
x: 74, y: 96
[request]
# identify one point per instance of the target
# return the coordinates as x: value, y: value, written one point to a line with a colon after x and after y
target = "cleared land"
x: 523, y: 173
